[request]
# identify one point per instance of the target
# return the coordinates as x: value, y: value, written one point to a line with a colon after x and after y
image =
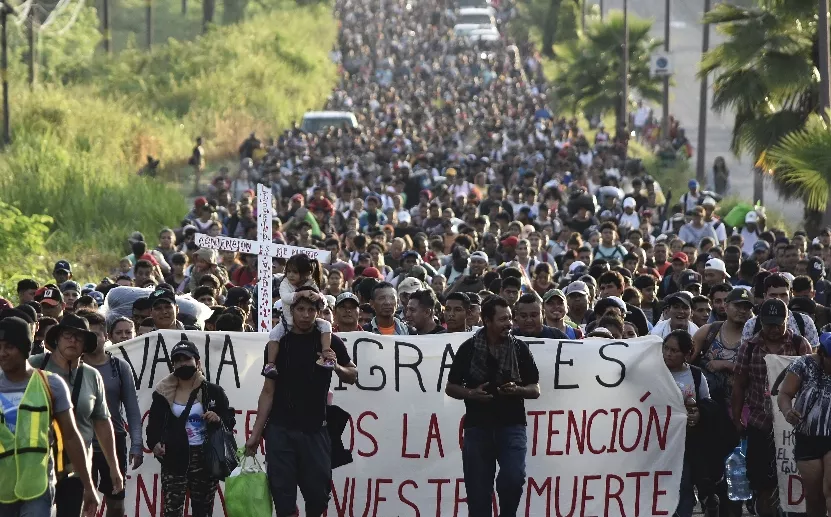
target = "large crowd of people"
x: 460, y: 203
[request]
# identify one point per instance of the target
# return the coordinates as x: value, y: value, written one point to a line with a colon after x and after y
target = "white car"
x: 314, y: 121
x: 488, y: 34
x: 466, y: 4
x: 472, y: 18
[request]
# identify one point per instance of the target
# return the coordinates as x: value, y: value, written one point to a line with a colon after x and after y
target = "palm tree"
x: 802, y: 161
x: 766, y: 72
x: 589, y: 68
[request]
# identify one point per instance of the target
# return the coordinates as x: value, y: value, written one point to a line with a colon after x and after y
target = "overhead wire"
x: 72, y: 20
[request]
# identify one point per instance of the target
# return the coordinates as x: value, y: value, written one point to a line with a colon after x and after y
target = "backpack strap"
x: 800, y: 322
x: 712, y: 332
x: 696, y: 375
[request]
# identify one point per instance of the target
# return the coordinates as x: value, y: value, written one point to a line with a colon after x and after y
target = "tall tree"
x: 765, y: 70
x: 589, y: 67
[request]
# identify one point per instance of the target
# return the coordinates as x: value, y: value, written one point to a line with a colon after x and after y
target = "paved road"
x: 685, y: 46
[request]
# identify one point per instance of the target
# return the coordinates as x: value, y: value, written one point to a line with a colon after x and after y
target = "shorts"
x: 808, y: 448
x: 761, y: 459
x: 101, y: 471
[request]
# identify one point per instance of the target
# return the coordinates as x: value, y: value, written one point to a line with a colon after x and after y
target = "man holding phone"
x: 494, y: 373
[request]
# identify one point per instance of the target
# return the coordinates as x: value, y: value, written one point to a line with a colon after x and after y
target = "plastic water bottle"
x: 738, y: 488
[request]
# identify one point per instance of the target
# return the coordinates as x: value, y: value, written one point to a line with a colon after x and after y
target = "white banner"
x: 605, y: 438
x: 791, y: 496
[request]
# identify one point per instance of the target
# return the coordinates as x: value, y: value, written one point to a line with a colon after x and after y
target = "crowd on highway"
x: 459, y: 202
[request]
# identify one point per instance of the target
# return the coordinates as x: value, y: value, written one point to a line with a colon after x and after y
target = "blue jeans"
x: 40, y: 507
x: 483, y: 449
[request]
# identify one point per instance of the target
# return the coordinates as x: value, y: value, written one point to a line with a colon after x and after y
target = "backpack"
x: 800, y: 323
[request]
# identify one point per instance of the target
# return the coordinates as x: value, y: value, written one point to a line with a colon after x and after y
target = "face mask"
x: 185, y: 372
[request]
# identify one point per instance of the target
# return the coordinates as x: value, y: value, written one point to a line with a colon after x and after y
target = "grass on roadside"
x: 77, y: 146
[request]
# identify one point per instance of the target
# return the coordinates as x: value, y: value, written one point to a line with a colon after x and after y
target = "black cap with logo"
x: 185, y: 348
x: 739, y: 295
x: 773, y: 312
x: 162, y: 295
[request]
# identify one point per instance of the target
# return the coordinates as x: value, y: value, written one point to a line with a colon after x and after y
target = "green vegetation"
x: 766, y: 71
x: 589, y: 67
x: 80, y: 138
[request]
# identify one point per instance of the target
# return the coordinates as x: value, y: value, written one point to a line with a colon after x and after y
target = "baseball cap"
x: 708, y: 201
x: 62, y: 265
x: 372, y: 272
x: 410, y: 285
x: 511, y: 241
x: 825, y: 342
x: 739, y: 295
x: 716, y: 264
x: 185, y: 348
x: 681, y: 256
x: 773, y: 312
x: 97, y: 296
x: 629, y: 202
x: 70, y: 285
x: 237, y: 296
x: 816, y: 268
x: 49, y: 296
x: 803, y: 304
x: 689, y: 277
x: 678, y: 297
x: 577, y: 287
x: 751, y: 217
x: 346, y: 297
x: 761, y: 245
x: 479, y: 255
x: 162, y: 295
x: 692, y: 184
x: 551, y: 293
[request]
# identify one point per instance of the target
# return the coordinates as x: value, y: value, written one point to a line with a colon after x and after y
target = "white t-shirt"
x: 663, y: 328
x: 195, y: 424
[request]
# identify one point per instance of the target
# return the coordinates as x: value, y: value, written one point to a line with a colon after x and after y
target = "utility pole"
x: 184, y: 7
x: 149, y: 22
x: 30, y: 37
x: 583, y: 15
x: 601, y: 10
x: 105, y: 24
x: 5, y: 10
x: 701, y: 151
x: 825, y: 84
x: 624, y: 108
x: 665, y: 111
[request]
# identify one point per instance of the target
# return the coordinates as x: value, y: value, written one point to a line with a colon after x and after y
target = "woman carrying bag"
x: 185, y: 409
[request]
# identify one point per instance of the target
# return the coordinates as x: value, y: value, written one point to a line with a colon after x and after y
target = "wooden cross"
x: 265, y: 249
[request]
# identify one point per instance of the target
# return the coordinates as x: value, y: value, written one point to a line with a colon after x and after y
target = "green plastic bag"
x: 735, y: 218
x: 247, y: 494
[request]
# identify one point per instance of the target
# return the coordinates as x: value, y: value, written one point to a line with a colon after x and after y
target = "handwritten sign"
x: 605, y: 438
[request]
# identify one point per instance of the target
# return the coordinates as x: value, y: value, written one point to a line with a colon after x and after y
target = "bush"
x: 79, y: 140
x: 22, y: 245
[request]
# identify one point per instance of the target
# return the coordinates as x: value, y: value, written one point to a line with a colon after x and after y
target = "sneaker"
x: 269, y: 371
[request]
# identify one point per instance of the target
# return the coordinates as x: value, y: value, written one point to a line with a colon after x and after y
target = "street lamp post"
x: 701, y: 151
x: 665, y: 111
x: 624, y: 111
x: 5, y: 10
